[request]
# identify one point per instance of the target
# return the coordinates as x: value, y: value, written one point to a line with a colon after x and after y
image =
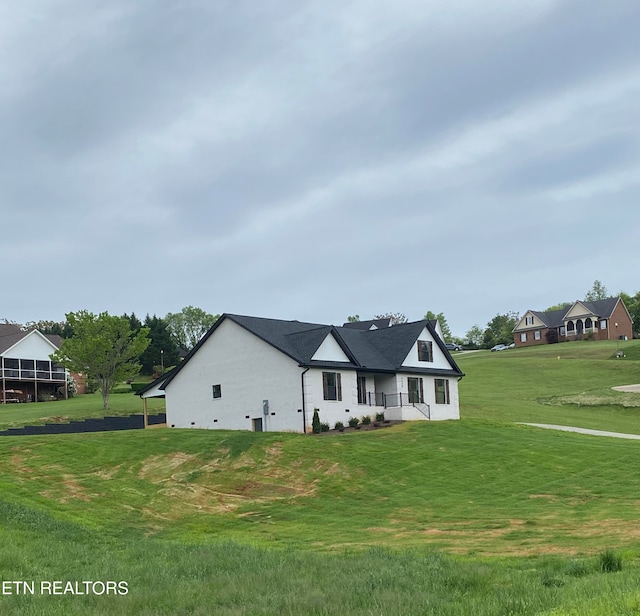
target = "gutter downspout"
x: 304, y: 411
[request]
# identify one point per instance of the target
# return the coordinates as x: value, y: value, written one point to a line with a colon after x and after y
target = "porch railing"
x: 379, y: 398
x: 32, y: 375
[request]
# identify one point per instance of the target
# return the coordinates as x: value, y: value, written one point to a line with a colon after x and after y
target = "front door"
x: 257, y: 424
x: 416, y: 394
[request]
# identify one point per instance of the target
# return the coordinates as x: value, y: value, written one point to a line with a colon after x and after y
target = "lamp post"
x: 162, y: 361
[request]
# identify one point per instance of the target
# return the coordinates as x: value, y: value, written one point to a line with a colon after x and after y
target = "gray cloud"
x: 315, y: 161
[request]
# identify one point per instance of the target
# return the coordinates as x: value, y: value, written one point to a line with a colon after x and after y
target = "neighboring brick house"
x: 604, y: 319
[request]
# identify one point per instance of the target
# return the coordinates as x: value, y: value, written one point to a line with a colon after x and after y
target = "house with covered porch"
x: 27, y: 374
x: 605, y: 319
x: 254, y: 373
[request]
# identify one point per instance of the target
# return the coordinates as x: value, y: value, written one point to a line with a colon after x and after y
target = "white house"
x: 251, y: 373
x: 26, y: 372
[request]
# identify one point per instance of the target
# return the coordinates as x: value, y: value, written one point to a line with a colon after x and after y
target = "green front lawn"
x: 568, y: 383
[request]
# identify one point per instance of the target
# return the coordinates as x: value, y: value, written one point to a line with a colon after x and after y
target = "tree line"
x: 110, y: 349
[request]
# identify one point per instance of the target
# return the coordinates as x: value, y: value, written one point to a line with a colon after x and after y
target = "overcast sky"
x: 315, y: 160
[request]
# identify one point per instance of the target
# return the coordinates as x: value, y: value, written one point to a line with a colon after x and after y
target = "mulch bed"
x: 377, y: 425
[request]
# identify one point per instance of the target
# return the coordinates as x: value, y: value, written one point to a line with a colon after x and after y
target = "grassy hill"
x: 568, y: 383
x: 479, y: 516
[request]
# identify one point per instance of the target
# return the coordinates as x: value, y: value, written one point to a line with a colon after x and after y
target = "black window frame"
x: 362, y: 389
x: 425, y: 350
x: 332, y: 392
x: 216, y: 391
x: 441, y: 387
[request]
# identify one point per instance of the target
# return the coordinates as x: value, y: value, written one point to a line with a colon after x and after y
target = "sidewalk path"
x: 635, y: 437
x: 631, y: 388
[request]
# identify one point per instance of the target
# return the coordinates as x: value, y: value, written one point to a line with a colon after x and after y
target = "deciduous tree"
x: 397, y: 318
x: 596, y: 292
x: 474, y: 337
x: 500, y: 329
x: 189, y: 325
x: 104, y: 347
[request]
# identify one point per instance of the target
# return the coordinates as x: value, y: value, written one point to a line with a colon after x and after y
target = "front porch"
x: 575, y: 328
x: 28, y: 380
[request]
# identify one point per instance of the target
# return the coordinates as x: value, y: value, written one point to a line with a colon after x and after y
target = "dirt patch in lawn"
x: 191, y: 483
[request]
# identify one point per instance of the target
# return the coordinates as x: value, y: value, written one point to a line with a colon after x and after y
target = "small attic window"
x: 217, y: 391
x: 425, y: 350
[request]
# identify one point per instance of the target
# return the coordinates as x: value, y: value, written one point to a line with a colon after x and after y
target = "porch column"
x: 145, y: 413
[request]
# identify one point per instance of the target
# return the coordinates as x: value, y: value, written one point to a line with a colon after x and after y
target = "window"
x: 362, y: 390
x: 442, y: 391
x: 528, y: 320
x: 425, y: 350
x: 536, y: 335
x: 11, y: 367
x: 217, y: 391
x: 523, y: 337
x: 332, y: 386
x: 563, y: 331
x: 603, y: 324
x: 416, y: 393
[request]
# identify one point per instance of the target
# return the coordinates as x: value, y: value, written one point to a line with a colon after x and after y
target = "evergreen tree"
x: 446, y: 330
x: 162, y: 350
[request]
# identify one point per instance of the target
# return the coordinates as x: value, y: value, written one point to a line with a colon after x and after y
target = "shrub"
x: 339, y: 426
x: 72, y: 386
x: 609, y: 562
x: 379, y: 416
x: 315, y: 422
x: 324, y: 427
x: 353, y: 421
x: 366, y: 420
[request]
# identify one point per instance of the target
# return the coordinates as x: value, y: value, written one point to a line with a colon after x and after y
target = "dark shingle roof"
x: 378, y: 350
x: 12, y: 334
x: 601, y: 308
x: 9, y: 335
x: 375, y: 323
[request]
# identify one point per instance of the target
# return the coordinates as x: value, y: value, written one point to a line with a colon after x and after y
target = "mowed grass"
x: 568, y: 383
x: 468, y: 487
x: 80, y: 407
x: 230, y: 579
x: 448, y: 519
x: 480, y: 516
